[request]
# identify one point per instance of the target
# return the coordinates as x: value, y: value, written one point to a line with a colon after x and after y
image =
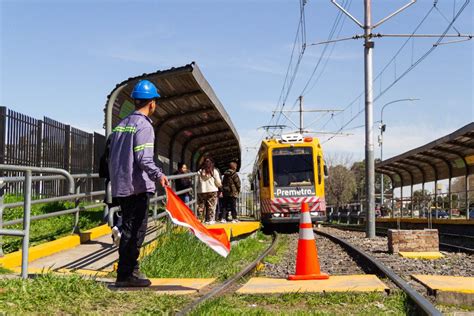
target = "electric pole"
x: 368, y: 27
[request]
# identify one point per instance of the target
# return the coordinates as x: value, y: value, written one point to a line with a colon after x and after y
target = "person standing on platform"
x: 133, y: 174
x: 209, y: 182
x: 183, y: 183
x: 231, y: 191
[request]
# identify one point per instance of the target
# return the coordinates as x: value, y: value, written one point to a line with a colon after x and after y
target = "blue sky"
x: 62, y: 58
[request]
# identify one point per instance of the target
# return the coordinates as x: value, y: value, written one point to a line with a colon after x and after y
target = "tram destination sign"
x: 294, y: 191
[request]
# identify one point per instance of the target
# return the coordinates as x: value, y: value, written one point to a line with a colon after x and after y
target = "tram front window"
x: 293, y: 167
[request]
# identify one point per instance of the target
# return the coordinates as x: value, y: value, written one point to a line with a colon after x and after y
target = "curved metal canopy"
x: 447, y: 157
x: 189, y: 118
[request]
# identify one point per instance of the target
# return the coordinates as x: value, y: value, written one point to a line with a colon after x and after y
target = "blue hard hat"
x: 145, y: 90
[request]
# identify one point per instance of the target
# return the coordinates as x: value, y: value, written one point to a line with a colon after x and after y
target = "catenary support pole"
x: 369, y: 122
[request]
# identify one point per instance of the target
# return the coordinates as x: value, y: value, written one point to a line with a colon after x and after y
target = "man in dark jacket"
x: 231, y: 191
x: 133, y: 174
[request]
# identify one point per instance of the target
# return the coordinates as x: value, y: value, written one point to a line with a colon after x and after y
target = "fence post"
x: 3, y: 129
x: 39, y: 157
x: 67, y: 152
x: 26, y: 224
x: 90, y: 144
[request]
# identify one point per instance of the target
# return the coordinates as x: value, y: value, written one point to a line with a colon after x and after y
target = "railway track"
x: 449, y: 246
x: 421, y: 302
x: 220, y: 289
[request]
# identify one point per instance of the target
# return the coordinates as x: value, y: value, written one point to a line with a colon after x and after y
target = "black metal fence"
x: 28, y: 141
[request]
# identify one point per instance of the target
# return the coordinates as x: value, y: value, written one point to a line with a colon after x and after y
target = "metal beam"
x: 175, y: 97
x: 178, y: 132
x: 200, y: 136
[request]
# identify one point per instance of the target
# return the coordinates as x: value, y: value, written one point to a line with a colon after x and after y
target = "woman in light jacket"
x: 209, y: 182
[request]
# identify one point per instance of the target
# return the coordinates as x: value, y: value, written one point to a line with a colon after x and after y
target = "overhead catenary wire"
x: 409, y: 69
x: 412, y: 66
x: 337, y: 23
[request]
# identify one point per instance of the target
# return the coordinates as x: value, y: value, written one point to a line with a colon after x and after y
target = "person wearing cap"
x: 133, y: 174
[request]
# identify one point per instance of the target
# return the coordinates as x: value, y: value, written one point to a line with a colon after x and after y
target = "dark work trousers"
x: 230, y: 205
x: 134, y: 224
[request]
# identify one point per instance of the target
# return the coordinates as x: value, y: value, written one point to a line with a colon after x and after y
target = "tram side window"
x: 319, y: 170
x: 265, y: 175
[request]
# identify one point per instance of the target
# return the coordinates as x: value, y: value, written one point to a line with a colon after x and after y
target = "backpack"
x: 104, y: 161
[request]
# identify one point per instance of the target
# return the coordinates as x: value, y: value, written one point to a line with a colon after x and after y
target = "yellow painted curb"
x: 421, y: 255
x: 13, y: 259
x: 447, y: 283
x: 95, y: 233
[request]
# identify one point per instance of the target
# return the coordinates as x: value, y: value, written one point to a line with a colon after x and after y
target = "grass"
x: 308, y: 304
x: 47, y: 229
x: 281, y: 249
x: 50, y: 294
x: 181, y: 255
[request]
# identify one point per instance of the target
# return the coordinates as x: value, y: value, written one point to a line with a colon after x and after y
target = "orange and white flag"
x: 180, y: 214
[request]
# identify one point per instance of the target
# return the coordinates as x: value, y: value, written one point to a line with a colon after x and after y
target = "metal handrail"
x: 49, y: 178
x: 75, y: 195
x: 25, y: 233
x: 62, y: 172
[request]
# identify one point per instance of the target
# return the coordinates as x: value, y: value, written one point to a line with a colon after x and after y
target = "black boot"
x: 132, y: 281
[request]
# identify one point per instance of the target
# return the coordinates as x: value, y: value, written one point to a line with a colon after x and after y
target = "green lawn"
x: 47, y: 229
x: 181, y: 255
x: 50, y: 294
x: 308, y: 304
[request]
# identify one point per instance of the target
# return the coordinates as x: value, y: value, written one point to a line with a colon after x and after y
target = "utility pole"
x: 301, y: 111
x: 369, y: 122
x: 368, y: 27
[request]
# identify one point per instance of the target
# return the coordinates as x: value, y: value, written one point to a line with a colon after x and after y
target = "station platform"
x: 336, y: 283
x: 93, y: 253
x: 238, y: 229
x: 447, y: 289
x: 456, y: 221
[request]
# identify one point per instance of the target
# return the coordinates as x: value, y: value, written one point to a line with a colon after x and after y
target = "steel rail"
x: 456, y: 247
x: 418, y: 299
x: 220, y: 289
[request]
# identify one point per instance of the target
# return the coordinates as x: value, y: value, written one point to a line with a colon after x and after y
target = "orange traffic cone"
x: 307, y: 263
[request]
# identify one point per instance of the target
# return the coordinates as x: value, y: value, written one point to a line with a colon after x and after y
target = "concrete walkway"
x: 99, y: 254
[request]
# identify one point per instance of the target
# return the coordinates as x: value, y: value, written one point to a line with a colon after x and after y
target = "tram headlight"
x: 276, y: 214
x: 314, y: 213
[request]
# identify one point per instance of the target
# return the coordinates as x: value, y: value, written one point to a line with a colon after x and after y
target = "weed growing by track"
x: 181, y: 255
x: 51, y: 294
x: 47, y: 229
x: 308, y: 304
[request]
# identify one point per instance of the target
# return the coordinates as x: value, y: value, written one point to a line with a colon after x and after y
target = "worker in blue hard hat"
x: 133, y: 174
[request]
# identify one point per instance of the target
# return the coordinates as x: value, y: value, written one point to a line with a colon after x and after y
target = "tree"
x: 358, y: 168
x: 340, y: 185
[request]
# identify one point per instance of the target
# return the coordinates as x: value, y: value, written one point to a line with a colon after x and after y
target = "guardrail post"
x: 75, y: 227
x: 195, y: 195
x: 26, y: 224
x: 155, y: 205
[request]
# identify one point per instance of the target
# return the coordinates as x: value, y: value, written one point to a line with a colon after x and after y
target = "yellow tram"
x: 289, y: 170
